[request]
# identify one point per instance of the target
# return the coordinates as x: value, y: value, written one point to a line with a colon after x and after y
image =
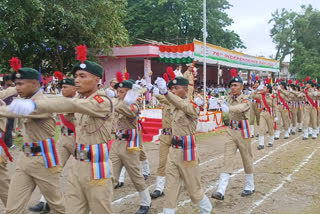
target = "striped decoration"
x: 189, y: 148
x: 245, y: 129
x: 99, y: 161
x: 49, y: 152
x: 134, y: 139
x: 177, y: 53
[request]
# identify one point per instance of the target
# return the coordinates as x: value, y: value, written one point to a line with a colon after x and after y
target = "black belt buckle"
x: 82, y: 154
x: 177, y: 142
x: 66, y: 131
x: 122, y: 136
x: 236, y: 125
x: 31, y: 150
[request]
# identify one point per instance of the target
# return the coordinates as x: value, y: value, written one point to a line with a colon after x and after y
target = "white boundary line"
x: 211, y: 187
x: 285, y: 180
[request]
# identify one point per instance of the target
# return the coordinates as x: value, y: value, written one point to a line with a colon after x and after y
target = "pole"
x: 218, y: 73
x: 205, y: 56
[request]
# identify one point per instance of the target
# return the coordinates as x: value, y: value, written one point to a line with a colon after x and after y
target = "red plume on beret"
x: 302, y: 80
x: 290, y: 81
x: 171, y: 73
x: 233, y: 72
x: 297, y: 81
x: 127, y: 76
x: 58, y: 75
x: 81, y: 52
x: 257, y: 78
x: 307, y: 78
x: 301, y: 84
x: 15, y: 63
x: 119, y: 77
x: 276, y: 81
x: 280, y: 79
x: 313, y: 80
x: 165, y: 77
x: 268, y: 81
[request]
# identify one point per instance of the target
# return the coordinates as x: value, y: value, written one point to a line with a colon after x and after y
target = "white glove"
x: 149, y: 86
x: 162, y: 85
x: 260, y: 87
x: 225, y: 108
x: 198, y: 101
x: 275, y: 119
x: 315, y: 93
x: 279, y: 87
x: 22, y: 106
x: 156, y: 91
x: 131, y: 97
x: 136, y: 88
x: 110, y: 93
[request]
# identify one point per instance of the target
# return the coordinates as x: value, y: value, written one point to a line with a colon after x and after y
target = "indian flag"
x: 177, y: 53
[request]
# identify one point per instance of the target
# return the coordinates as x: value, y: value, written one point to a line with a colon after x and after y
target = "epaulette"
x: 194, y: 105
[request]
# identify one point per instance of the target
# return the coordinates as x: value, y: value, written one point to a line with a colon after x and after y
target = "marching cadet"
x: 90, y: 176
x: 310, y: 110
x: 111, y: 88
x: 301, y: 99
x: 238, y: 137
x: 283, y: 109
x: 36, y: 166
x: 255, y: 108
x: 293, y: 105
x: 66, y: 140
x: 267, y: 115
x: 125, y: 151
x: 165, y: 142
x: 183, y: 160
x: 4, y: 153
x: 188, y: 74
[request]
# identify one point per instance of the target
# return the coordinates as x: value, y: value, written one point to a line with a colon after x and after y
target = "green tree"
x: 180, y: 21
x: 45, y: 32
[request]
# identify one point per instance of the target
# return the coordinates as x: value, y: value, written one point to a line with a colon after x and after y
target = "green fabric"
x: 170, y: 84
x: 25, y: 73
x: 68, y: 81
x: 124, y: 84
x: 283, y: 83
x: 235, y: 79
x: 90, y: 67
x: 177, y: 60
x: 180, y: 81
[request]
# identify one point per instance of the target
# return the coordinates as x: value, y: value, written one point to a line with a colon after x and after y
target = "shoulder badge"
x: 245, y: 101
x: 98, y: 98
x: 132, y: 107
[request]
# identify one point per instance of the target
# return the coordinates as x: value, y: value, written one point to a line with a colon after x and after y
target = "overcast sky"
x: 251, y: 22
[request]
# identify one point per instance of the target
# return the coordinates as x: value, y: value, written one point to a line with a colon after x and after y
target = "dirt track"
x: 286, y: 178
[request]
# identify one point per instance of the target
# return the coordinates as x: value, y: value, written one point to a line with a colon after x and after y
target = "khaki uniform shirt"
x: 166, y: 116
x: 238, y: 107
x: 127, y: 116
x: 184, y: 115
x: 93, y: 115
x: 3, y: 95
x: 189, y: 76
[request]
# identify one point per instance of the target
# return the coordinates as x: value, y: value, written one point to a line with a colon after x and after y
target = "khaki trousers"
x: 66, y: 148
x: 310, y: 117
x: 143, y: 155
x: 235, y: 141
x: 4, y: 183
x: 83, y: 197
x: 131, y: 161
x: 266, y: 123
x: 300, y: 114
x: 31, y: 172
x: 294, y: 116
x: 284, y: 114
x: 254, y: 114
x: 177, y: 174
x: 165, y: 143
x: 190, y: 92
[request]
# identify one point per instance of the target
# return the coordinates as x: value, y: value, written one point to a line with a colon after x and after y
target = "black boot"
x: 260, y: 147
x: 247, y: 193
x: 143, y: 210
x: 41, y: 207
x: 270, y: 145
x: 120, y: 184
x: 218, y: 196
x: 146, y: 177
x: 156, y: 194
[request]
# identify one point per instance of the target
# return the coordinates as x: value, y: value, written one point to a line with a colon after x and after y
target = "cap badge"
x: 82, y: 65
x: 18, y: 75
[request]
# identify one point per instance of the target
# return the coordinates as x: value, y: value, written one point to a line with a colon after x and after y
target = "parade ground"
x: 287, y: 178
